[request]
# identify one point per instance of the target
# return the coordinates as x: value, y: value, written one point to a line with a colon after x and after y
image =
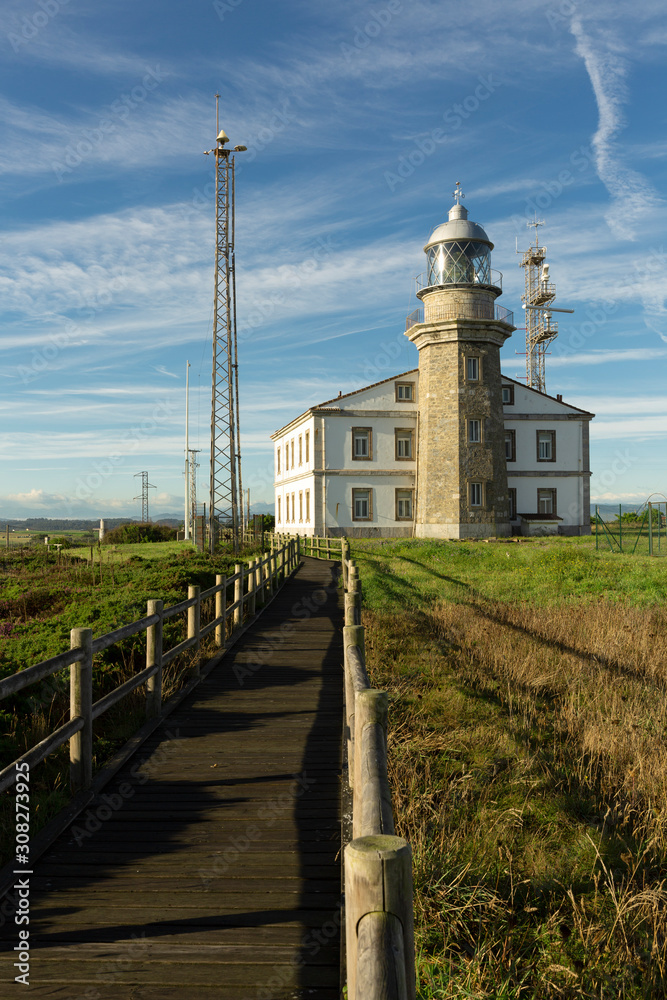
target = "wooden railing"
x: 312, y: 545
x: 256, y: 581
x: 379, y: 922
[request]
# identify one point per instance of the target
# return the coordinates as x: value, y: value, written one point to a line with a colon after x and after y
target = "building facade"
x: 349, y: 466
x: 453, y: 449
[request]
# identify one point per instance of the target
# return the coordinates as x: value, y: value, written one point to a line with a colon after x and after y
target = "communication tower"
x: 225, y: 483
x: 539, y: 295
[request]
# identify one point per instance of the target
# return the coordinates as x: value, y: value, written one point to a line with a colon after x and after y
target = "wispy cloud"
x: 603, y: 357
x: 633, y: 197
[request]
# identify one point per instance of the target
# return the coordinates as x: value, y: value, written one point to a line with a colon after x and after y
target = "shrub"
x: 126, y: 533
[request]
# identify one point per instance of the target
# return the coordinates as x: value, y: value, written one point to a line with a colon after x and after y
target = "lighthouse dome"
x: 458, y: 227
x: 458, y: 252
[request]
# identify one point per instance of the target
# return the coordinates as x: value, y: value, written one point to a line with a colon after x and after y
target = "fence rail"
x: 255, y: 582
x: 379, y: 921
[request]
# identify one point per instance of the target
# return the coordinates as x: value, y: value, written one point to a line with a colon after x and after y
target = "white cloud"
x: 623, y: 404
x: 609, y: 356
x: 639, y: 428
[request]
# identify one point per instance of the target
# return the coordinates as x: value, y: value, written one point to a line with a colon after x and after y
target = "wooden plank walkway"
x: 210, y: 868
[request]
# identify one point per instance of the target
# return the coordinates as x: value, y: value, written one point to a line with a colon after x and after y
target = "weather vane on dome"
x: 458, y: 194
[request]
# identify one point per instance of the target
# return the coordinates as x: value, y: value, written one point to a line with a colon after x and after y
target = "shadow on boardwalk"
x: 210, y: 867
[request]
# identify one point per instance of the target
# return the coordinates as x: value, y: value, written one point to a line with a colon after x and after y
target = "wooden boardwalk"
x: 209, y: 869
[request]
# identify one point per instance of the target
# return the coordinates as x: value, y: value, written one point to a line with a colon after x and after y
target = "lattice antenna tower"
x: 225, y: 482
x: 145, y: 487
x: 539, y: 294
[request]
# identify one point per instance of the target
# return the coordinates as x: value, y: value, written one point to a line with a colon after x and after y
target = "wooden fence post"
x: 238, y: 594
x: 379, y: 922
x: 81, y: 705
x: 194, y: 621
x: 252, y: 587
x: 269, y: 573
x: 220, y: 604
x: 352, y: 616
x: 154, y: 659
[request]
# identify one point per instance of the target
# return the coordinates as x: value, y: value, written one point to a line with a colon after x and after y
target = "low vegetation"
x: 43, y: 595
x: 528, y: 761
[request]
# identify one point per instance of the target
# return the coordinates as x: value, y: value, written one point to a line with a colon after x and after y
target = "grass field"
x: 528, y: 760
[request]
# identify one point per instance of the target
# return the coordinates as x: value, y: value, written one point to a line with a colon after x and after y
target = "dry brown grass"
x: 529, y: 772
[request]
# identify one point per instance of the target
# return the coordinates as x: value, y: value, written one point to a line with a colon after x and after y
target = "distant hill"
x: 608, y: 511
x: 51, y: 524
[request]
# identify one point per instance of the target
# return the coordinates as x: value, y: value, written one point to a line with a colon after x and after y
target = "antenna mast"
x: 539, y: 294
x: 224, y: 502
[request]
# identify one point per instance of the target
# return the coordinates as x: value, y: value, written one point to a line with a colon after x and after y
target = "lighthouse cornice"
x: 456, y: 330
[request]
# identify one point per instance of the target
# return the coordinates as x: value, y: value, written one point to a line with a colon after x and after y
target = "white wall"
x: 331, y: 426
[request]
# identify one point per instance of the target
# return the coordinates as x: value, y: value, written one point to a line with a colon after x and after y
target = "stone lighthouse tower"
x: 461, y: 467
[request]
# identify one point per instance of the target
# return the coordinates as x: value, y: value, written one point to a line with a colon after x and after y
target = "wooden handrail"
x: 380, y: 952
x: 79, y: 658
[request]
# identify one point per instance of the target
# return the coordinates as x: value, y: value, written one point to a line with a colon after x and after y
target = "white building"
x: 473, y: 455
x: 349, y: 465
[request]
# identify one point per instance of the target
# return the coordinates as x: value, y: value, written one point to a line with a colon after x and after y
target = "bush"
x: 126, y: 533
x: 66, y: 543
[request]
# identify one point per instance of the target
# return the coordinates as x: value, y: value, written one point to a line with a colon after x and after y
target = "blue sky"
x: 359, y: 119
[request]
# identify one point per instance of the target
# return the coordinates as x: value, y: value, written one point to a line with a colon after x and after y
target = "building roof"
x: 545, y: 395
x: 346, y: 395
x: 329, y: 407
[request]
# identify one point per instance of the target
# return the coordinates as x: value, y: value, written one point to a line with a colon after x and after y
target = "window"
x: 307, y: 500
x: 475, y: 494
x: 510, y: 446
x: 403, y: 505
x: 403, y: 444
x: 286, y: 508
x: 278, y: 461
x: 300, y: 450
x: 307, y: 446
x: 512, y: 503
x: 362, y: 505
x: 293, y: 503
x: 292, y: 462
x: 278, y: 518
x: 362, y: 443
x: 405, y: 392
x: 300, y: 506
x: 546, y: 446
x: 472, y: 369
x: 546, y: 501
x: 508, y: 395
x: 474, y: 431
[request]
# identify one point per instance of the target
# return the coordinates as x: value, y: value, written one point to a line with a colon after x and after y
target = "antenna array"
x: 539, y: 294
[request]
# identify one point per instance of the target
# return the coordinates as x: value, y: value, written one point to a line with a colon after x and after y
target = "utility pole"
x: 225, y: 500
x: 145, y: 487
x: 194, y: 465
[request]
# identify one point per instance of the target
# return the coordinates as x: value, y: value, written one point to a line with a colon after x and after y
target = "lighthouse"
x: 461, y: 481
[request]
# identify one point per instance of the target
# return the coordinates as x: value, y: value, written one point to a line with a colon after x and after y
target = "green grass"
x: 527, y: 755
x: 541, y: 571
